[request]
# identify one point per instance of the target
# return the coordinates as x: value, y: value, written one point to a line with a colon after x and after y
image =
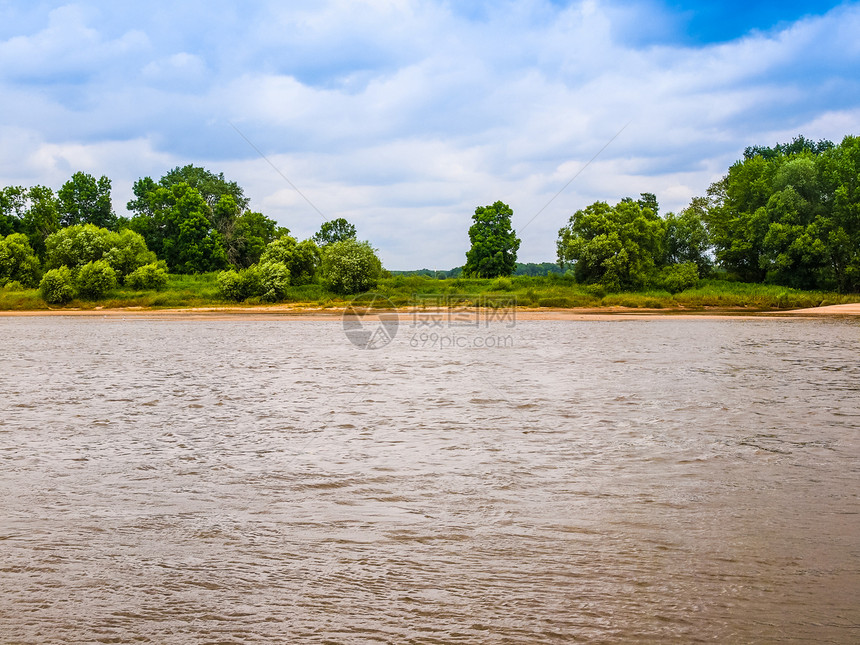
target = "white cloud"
x: 405, y: 115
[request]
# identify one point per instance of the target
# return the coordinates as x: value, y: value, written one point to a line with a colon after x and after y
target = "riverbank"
x: 290, y: 312
x: 541, y: 296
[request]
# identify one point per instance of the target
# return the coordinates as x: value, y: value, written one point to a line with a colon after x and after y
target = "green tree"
x: 75, y: 246
x: 494, y: 242
x: 336, y: 230
x: 350, y: 266
x: 249, y: 237
x: 175, y: 223
x: 85, y: 200
x: 614, y: 246
x: 31, y: 211
x: 687, y: 238
x: 212, y: 187
x: 18, y: 262
x: 301, y: 258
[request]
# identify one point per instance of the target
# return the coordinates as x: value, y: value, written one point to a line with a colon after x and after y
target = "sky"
x: 403, y: 116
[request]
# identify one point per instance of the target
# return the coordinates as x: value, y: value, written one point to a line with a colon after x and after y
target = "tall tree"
x: 618, y: 246
x: 86, y: 200
x: 494, y: 242
x: 335, y: 230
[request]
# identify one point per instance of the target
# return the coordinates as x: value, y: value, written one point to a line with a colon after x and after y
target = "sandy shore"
x: 290, y: 312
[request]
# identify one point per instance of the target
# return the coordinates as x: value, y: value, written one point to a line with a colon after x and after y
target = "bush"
x: 274, y: 280
x: 350, y: 266
x: 14, y: 285
x: 678, y: 277
x: 149, y: 276
x: 302, y: 259
x: 56, y: 286
x: 127, y: 252
x: 18, y: 262
x: 95, y: 279
x: 501, y: 284
x: 240, y: 285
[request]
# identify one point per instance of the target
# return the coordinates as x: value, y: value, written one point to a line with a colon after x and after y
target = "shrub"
x: 274, y: 280
x: 350, y: 266
x: 127, y: 252
x: 75, y: 246
x: 678, y: 277
x: 18, y: 262
x: 240, y: 285
x: 501, y: 284
x: 14, y: 285
x: 95, y: 279
x: 302, y: 259
x: 56, y: 286
x: 149, y: 276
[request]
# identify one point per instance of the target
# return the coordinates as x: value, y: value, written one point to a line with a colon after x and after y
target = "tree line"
x: 786, y: 215
x: 71, y: 243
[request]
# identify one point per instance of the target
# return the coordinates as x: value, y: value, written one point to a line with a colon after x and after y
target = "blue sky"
x: 403, y: 116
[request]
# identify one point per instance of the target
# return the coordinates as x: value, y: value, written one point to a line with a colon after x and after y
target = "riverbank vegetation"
x: 780, y: 230
x: 204, y: 290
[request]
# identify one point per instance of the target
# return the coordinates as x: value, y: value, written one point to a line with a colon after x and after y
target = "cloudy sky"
x: 404, y: 115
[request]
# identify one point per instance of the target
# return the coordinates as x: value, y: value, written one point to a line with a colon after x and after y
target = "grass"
x: 553, y: 291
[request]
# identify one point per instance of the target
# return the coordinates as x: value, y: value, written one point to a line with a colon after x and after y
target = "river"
x: 235, y: 481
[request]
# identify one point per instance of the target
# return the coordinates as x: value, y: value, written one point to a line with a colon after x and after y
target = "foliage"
x: 790, y: 215
x: 85, y: 200
x: 678, y: 277
x: 56, y: 286
x: 127, y: 251
x: 95, y: 279
x: 31, y: 211
x: 336, y: 230
x: 18, y: 262
x: 240, y: 285
x: 494, y: 242
x: 301, y: 258
x: 350, y: 266
x: 75, y: 246
x: 617, y: 247
x: 687, y: 238
x: 175, y: 224
x: 249, y: 236
x: 212, y: 187
x: 274, y: 281
x: 149, y: 276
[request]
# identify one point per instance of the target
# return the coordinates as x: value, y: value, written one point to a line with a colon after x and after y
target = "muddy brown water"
x: 234, y: 481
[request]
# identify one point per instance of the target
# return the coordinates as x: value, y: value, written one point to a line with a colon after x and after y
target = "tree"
x: 85, y: 200
x: 212, y: 187
x: 302, y: 258
x: 241, y: 235
x: 336, y: 230
x: 494, y: 242
x: 687, y: 238
x: 31, y: 211
x: 18, y: 262
x: 175, y: 223
x: 614, y: 246
x: 249, y: 237
x: 75, y: 246
x: 350, y: 266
